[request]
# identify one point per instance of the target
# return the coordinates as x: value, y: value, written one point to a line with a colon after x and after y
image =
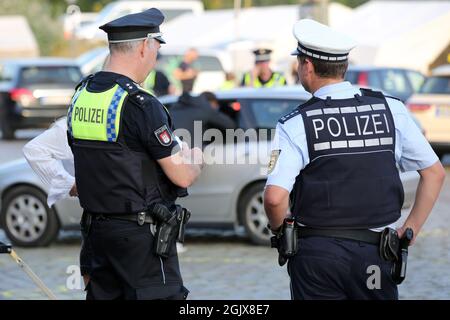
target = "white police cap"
x: 320, y: 42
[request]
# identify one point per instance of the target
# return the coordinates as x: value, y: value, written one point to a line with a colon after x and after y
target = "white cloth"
x: 50, y: 156
x: 412, y: 150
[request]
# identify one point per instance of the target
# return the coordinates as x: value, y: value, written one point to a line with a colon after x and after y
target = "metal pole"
x: 7, y: 249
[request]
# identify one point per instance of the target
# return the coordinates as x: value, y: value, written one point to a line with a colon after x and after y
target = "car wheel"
x: 7, y: 130
x: 253, y: 216
x: 26, y: 218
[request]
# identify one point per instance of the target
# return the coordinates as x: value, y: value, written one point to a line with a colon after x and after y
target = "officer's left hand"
x: 73, y: 192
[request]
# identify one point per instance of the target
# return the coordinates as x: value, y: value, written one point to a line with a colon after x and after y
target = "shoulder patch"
x: 164, y: 135
x: 273, y: 160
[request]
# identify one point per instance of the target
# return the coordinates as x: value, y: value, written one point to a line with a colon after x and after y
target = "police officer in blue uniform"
x: 334, y: 160
x: 127, y: 163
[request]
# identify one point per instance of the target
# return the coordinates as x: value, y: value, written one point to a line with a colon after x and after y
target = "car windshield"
x: 437, y: 85
x: 50, y: 74
x: 267, y: 112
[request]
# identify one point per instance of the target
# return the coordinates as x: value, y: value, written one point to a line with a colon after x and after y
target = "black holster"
x: 85, y: 224
x: 169, y: 228
x: 286, y: 241
x: 394, y: 249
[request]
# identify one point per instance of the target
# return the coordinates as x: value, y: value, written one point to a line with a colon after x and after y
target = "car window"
x: 266, y: 113
x: 49, y: 74
x: 393, y: 81
x: 439, y: 85
x: 6, y: 72
x: 351, y: 76
x: 416, y: 79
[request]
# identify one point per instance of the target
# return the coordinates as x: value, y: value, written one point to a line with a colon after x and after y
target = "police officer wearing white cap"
x: 127, y: 163
x: 335, y: 157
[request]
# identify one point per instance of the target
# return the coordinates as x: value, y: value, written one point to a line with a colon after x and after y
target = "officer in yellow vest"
x: 129, y: 169
x: 262, y: 76
x: 157, y: 83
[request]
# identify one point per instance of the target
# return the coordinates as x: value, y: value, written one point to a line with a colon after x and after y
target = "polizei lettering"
x: 344, y: 129
x: 89, y: 115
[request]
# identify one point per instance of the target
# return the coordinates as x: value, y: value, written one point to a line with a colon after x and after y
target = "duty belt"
x: 368, y: 236
x: 140, y: 218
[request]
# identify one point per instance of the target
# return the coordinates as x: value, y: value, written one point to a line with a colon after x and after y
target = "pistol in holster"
x: 285, y: 241
x: 394, y: 249
x: 170, y: 227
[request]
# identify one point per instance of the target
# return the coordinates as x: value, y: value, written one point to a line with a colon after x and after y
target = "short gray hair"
x: 127, y: 46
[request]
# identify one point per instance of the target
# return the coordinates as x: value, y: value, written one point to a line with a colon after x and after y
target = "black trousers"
x: 121, y: 263
x: 330, y: 268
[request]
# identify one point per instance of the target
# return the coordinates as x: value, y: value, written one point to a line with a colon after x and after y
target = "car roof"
x: 443, y: 70
x: 44, y: 61
x: 285, y: 92
x: 374, y: 68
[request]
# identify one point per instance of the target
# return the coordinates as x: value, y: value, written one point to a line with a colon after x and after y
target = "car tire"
x: 252, y: 214
x: 26, y: 218
x: 7, y: 130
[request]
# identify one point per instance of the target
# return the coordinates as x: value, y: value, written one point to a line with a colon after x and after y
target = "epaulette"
x: 297, y: 110
x: 395, y: 98
x: 290, y: 115
x: 136, y: 93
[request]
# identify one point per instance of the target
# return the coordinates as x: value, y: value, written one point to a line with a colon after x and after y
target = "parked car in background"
x: 225, y: 195
x: 400, y: 83
x: 211, y: 63
x: 34, y: 92
x: 171, y: 9
x: 431, y: 106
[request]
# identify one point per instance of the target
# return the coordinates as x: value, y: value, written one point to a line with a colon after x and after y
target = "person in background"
x: 51, y: 158
x: 230, y: 81
x: 204, y: 108
x: 262, y: 75
x: 186, y: 73
x: 157, y: 82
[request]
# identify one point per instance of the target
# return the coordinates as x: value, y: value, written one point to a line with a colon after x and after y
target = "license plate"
x: 55, y: 101
x: 443, y: 111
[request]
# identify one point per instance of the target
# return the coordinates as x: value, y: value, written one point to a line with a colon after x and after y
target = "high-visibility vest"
x: 227, y: 85
x: 277, y: 79
x: 112, y: 178
x: 149, y: 83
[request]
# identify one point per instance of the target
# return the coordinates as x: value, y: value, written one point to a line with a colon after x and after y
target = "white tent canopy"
x: 410, y: 34
x: 258, y: 26
x: 16, y: 38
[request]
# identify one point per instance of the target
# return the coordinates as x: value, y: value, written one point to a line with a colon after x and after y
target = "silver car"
x: 225, y: 195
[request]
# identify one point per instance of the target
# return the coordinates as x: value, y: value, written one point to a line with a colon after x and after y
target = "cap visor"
x: 161, y: 40
x: 295, y: 53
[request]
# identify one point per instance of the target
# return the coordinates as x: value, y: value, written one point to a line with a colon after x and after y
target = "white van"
x: 170, y: 8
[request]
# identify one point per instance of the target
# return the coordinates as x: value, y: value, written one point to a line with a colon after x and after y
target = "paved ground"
x: 222, y: 265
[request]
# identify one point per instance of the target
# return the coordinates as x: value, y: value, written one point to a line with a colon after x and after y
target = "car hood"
x: 19, y: 172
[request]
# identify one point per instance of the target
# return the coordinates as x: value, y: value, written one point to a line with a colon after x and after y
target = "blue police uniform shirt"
x: 412, y: 150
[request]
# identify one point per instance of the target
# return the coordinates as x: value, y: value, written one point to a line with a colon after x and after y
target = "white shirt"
x: 412, y: 150
x: 50, y: 156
